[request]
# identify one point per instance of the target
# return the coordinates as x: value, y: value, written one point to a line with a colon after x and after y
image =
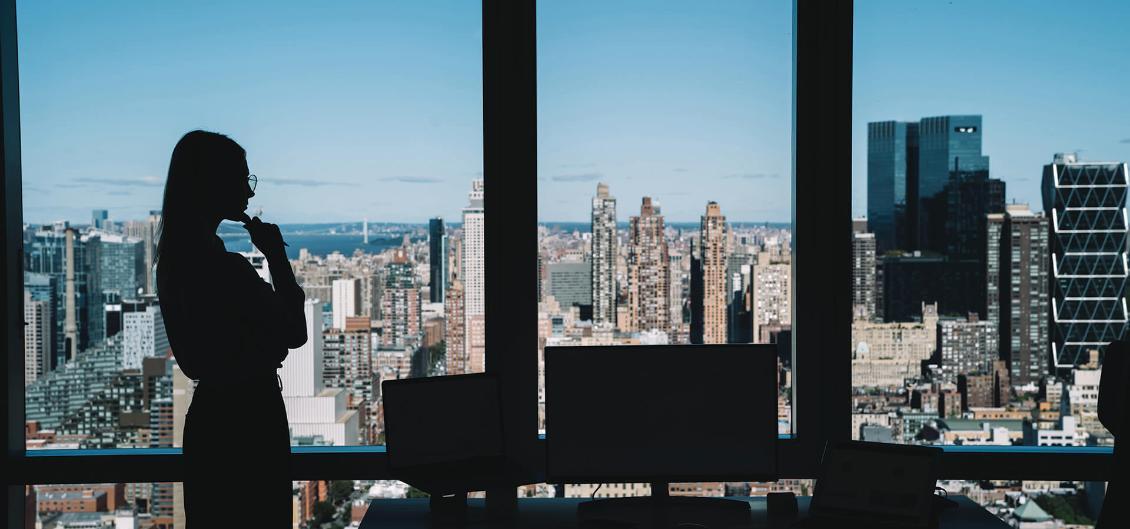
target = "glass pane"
x: 161, y: 505
x: 664, y: 194
x: 363, y: 124
x: 985, y: 293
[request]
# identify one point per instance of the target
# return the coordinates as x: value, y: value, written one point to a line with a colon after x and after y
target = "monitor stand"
x: 662, y: 510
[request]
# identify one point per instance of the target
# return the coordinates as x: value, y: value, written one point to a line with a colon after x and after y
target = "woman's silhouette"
x: 1114, y: 412
x: 229, y: 331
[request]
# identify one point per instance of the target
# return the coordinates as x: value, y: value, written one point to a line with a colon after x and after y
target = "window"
x: 364, y: 124
x: 1006, y: 279
x: 664, y: 209
x: 480, y: 117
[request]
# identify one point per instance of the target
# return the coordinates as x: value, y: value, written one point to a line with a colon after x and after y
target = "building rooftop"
x: 1030, y: 512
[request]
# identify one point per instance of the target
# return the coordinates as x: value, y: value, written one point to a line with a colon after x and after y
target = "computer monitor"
x: 441, y: 423
x: 660, y: 414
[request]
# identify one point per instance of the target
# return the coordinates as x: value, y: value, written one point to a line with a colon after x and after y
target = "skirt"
x: 237, y: 456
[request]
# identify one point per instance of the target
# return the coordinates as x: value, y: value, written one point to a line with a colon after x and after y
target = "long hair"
x: 200, y: 159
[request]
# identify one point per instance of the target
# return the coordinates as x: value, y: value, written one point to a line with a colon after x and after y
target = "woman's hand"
x: 266, y: 237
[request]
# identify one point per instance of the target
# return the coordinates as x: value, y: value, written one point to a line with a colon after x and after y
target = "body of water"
x: 319, y: 244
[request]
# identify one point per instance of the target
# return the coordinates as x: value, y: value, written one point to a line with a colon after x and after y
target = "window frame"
x: 821, y: 138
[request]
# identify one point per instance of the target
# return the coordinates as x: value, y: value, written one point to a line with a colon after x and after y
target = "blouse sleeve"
x: 278, y: 312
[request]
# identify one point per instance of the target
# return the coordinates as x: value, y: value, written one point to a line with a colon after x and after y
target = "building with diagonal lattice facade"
x: 1087, y: 205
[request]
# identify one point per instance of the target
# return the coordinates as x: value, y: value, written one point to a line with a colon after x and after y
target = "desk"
x: 553, y: 513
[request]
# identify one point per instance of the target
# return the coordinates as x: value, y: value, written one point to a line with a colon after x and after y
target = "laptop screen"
x: 883, y: 481
x: 442, y: 419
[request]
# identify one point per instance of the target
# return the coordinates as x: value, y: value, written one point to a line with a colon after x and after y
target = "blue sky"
x: 347, y: 109
x: 1046, y: 76
x: 352, y: 109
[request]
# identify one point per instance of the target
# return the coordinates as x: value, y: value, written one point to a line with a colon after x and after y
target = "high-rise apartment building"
x: 863, y: 287
x: 604, y: 252
x: 1018, y: 285
x: 400, y: 304
x: 456, y: 351
x: 715, y: 295
x: 437, y: 260
x: 143, y: 332
x: 648, y: 307
x: 771, y: 289
x: 1087, y: 204
x: 966, y: 347
x: 348, y: 364
x: 695, y: 293
x: 346, y: 301
x: 473, y: 274
x: 37, y: 338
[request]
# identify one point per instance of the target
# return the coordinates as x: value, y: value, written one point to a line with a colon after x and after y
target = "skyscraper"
x: 1087, y: 203
x: 400, y: 304
x: 456, y: 351
x: 949, y: 151
x: 772, y: 291
x: 37, y: 338
x: 301, y: 372
x: 348, y: 364
x: 863, y: 292
x: 937, y: 169
x: 1018, y: 286
x: 648, y: 307
x: 603, y: 258
x: 910, y: 168
x: 696, y: 295
x: 143, y: 332
x: 892, y: 174
x: 116, y: 267
x: 346, y: 301
x: 437, y: 260
x: 715, y: 295
x: 473, y: 276
x: 147, y: 231
x: 99, y: 219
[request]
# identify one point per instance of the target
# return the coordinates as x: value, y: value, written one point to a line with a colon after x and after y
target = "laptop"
x: 444, y: 434
x: 874, y: 485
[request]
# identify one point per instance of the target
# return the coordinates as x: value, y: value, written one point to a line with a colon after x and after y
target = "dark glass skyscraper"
x: 437, y: 255
x: 929, y: 190
x: 949, y: 154
x: 892, y: 168
x: 1087, y: 204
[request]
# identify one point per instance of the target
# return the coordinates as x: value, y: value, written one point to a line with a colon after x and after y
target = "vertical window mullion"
x: 510, y: 201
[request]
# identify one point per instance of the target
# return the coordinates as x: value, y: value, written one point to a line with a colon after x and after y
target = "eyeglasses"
x: 252, y: 181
